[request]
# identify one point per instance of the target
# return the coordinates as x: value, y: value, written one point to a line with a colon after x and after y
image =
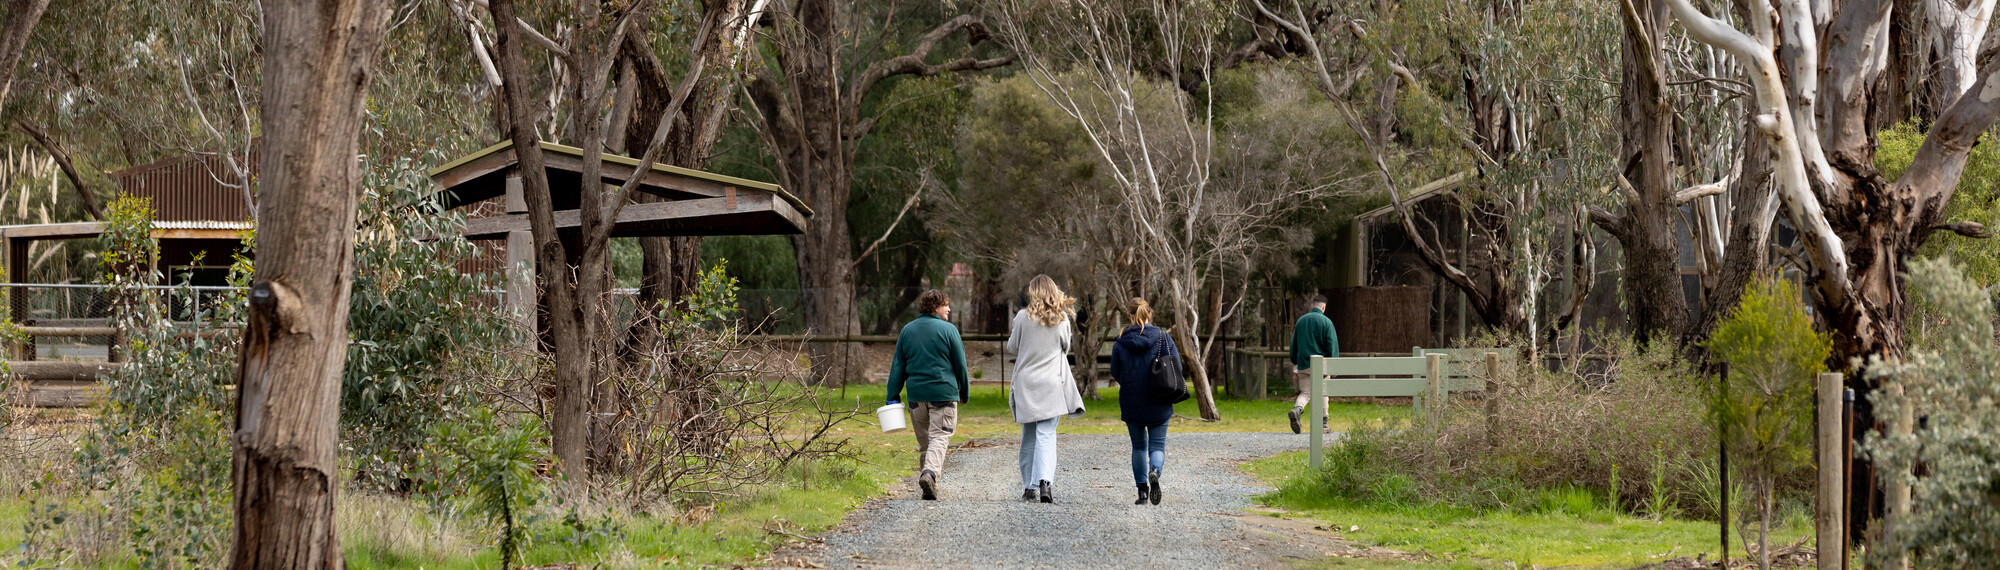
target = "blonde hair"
x: 1140, y: 311
x: 1047, y: 303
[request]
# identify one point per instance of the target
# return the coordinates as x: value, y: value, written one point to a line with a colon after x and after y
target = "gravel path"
x: 979, y: 520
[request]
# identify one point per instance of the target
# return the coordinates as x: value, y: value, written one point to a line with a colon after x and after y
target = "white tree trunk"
x: 1955, y: 33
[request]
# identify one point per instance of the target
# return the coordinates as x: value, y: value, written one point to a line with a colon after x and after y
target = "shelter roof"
x: 482, y: 175
x: 1429, y: 190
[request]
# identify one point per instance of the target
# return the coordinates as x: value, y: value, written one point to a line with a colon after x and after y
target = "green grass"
x: 379, y: 531
x: 810, y: 498
x: 1564, y: 527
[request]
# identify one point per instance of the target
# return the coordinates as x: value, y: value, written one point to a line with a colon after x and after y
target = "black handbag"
x: 1169, y: 386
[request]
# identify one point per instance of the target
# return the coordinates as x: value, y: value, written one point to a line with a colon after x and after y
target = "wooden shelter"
x: 694, y: 203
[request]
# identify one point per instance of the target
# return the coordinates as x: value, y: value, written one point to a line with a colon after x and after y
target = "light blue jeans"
x: 1149, y: 449
x: 1038, y: 452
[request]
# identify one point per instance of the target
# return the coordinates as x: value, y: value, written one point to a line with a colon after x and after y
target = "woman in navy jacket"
x: 1145, y: 414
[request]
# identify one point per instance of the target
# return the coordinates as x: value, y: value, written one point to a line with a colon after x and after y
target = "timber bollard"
x: 1831, y: 526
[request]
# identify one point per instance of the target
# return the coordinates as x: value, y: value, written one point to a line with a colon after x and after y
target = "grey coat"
x: 1043, y: 385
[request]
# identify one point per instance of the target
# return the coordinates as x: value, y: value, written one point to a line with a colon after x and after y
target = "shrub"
x: 701, y: 412
x: 1951, y: 380
x: 493, y: 467
x: 1635, y: 411
x: 421, y: 330
x: 161, y: 449
x: 1765, y: 402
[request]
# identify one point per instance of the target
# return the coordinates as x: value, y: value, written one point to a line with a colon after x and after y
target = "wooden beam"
x: 758, y: 213
x: 53, y: 370
x: 69, y: 331
x: 70, y: 230
x: 64, y: 394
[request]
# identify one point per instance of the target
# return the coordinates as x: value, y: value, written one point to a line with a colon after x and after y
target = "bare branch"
x: 1692, y: 192
x: 913, y: 63
x: 69, y: 170
x: 1974, y: 230
x: 925, y: 182
x: 534, y: 34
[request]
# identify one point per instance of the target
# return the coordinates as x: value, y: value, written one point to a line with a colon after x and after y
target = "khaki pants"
x: 934, y: 423
x: 1305, y: 392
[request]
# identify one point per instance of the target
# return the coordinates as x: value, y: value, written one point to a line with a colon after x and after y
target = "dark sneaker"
x: 1048, y: 492
x: 1153, y: 482
x: 1028, y: 495
x: 928, y: 482
x: 1142, y: 496
x: 1295, y: 420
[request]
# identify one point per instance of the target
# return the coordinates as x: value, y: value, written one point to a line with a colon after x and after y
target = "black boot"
x: 1142, y: 496
x: 1048, y: 492
x: 1028, y: 495
x: 928, y: 482
x: 1153, y: 480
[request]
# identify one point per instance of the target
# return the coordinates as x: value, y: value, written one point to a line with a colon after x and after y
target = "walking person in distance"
x: 1044, y: 389
x: 930, y: 362
x: 1145, y: 413
x: 1312, y: 336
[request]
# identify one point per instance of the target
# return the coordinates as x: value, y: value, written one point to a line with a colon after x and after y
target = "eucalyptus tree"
x: 1186, y: 205
x: 721, y: 35
x: 819, y: 69
x: 284, y: 468
x: 1512, y: 95
x: 576, y: 275
x: 1814, y: 93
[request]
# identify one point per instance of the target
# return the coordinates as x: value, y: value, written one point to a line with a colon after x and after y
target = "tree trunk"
x: 284, y: 465
x: 22, y: 16
x: 1748, y: 250
x: 672, y: 265
x: 1652, y: 281
x: 569, y: 422
x: 1197, y: 373
x: 811, y: 128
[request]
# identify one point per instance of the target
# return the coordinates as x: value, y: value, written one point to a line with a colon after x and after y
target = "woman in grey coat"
x: 1044, y: 390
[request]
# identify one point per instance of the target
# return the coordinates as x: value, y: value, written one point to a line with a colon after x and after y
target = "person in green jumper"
x: 1312, y: 336
x: 930, y: 361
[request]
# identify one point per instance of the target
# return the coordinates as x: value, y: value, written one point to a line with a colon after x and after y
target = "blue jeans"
x: 1038, y: 452
x: 1149, y: 449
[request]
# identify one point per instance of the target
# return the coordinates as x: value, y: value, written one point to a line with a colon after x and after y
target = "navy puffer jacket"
x: 1131, y: 363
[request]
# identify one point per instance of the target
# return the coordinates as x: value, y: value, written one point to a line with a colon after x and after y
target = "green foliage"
x: 1977, y: 198
x: 1764, y: 404
x: 1624, y: 430
x: 161, y: 447
x: 420, y: 329
x: 491, y: 466
x: 1951, y: 381
x: 712, y: 303
x: 1774, y: 356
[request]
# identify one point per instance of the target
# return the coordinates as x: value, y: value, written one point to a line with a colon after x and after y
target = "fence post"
x: 1492, y: 400
x: 1315, y: 375
x: 1830, y: 522
x: 1434, y: 413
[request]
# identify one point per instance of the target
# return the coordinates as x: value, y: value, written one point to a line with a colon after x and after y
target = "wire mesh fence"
x: 64, y: 321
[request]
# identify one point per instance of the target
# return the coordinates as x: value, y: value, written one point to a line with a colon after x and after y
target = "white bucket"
x: 891, y: 417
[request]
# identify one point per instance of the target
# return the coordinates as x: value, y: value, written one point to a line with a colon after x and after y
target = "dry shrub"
x: 1618, y: 415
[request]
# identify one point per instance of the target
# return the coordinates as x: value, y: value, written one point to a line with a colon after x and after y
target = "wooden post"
x: 17, y: 299
x: 1830, y: 523
x: 1492, y: 400
x: 1259, y: 372
x: 1434, y: 364
x: 1314, y: 378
